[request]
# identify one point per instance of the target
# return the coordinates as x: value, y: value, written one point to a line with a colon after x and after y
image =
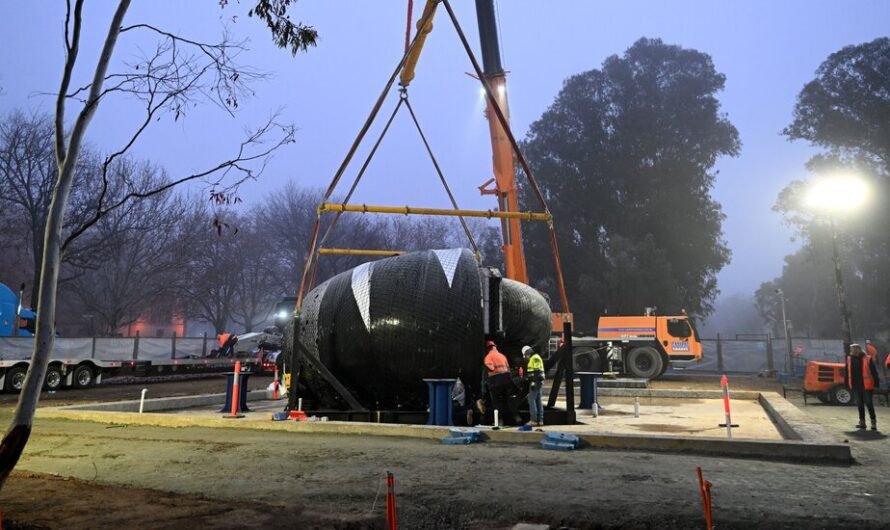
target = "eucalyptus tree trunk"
x: 66, y: 157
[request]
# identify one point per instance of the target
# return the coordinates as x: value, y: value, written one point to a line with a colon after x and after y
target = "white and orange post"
x: 704, y: 487
x: 724, y: 383
x: 275, y: 384
x: 236, y: 388
x: 391, y: 520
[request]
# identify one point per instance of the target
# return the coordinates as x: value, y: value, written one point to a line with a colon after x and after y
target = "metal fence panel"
x: 192, y: 346
x: 752, y: 356
x: 15, y: 348
x: 738, y: 356
x: 812, y: 349
x: 21, y: 348
x: 155, y: 349
x: 107, y: 348
x: 114, y: 348
x: 67, y: 348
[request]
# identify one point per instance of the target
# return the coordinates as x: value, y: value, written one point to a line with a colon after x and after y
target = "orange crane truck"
x: 640, y: 346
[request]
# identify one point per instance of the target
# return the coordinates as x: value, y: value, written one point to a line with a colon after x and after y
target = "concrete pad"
x: 770, y: 427
x: 698, y: 418
x: 166, y: 404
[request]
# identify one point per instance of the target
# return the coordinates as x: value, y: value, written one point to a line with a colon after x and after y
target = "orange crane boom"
x: 503, y: 163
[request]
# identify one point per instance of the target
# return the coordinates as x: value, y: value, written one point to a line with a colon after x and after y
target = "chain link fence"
x: 767, y: 354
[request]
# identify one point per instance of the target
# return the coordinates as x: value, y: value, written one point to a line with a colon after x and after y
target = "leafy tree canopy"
x: 845, y: 110
x: 625, y: 157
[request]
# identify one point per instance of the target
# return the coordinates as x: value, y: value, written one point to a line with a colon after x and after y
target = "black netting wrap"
x: 526, y: 319
x: 383, y: 327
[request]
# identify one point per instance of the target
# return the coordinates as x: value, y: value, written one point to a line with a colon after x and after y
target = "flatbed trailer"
x: 83, y: 373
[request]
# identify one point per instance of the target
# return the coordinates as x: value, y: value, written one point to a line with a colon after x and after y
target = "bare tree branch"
x: 70, y: 58
x: 238, y: 164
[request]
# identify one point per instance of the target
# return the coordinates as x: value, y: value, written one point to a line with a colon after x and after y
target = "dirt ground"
x: 87, y: 475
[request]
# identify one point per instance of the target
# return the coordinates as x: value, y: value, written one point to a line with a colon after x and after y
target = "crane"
x: 505, y: 155
x: 502, y: 152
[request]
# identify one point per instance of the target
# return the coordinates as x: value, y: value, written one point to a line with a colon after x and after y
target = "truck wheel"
x: 15, y: 378
x: 83, y: 376
x: 644, y: 362
x: 841, y: 395
x: 53, y: 379
x: 586, y: 360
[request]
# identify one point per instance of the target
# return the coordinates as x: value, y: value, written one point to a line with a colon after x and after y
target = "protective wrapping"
x: 383, y: 327
x: 526, y: 317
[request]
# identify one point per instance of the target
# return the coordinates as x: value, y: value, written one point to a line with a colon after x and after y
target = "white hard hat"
x: 527, y: 350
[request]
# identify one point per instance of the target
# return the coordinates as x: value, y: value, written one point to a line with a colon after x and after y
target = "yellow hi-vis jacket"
x: 535, y: 368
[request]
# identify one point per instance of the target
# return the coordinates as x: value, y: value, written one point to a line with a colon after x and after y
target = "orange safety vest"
x: 223, y: 338
x: 867, y: 381
x: 496, y: 363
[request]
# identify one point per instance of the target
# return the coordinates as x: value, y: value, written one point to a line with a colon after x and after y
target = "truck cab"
x: 9, y: 303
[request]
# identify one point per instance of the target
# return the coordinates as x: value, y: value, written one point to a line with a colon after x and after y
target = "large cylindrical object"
x: 383, y: 327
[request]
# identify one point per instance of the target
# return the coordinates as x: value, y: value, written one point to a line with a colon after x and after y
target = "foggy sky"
x: 768, y: 50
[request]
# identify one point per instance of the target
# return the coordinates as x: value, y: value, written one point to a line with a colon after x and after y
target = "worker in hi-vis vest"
x: 497, y: 378
x: 862, y: 379
x: 534, y: 374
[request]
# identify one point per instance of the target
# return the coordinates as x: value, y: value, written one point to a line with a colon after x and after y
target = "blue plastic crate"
x: 457, y: 440
x: 561, y: 437
x: 474, y: 434
x: 553, y: 445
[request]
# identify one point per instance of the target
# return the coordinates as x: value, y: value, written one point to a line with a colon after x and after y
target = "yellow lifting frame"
x: 359, y: 252
x: 408, y: 210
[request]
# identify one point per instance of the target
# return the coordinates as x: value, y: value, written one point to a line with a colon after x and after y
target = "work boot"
x: 860, y: 425
x: 874, y: 425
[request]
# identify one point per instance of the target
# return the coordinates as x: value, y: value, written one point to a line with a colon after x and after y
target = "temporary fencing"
x: 748, y: 354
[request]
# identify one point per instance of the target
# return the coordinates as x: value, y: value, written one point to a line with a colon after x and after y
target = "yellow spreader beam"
x: 408, y: 210
x: 359, y: 252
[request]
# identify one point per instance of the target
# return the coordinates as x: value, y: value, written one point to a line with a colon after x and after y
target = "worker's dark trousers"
x: 499, y: 389
x: 863, y: 399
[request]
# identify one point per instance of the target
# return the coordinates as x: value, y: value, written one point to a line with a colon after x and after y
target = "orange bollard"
x: 724, y: 383
x: 391, y: 521
x: 705, y: 487
x: 275, y: 384
x: 236, y: 389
